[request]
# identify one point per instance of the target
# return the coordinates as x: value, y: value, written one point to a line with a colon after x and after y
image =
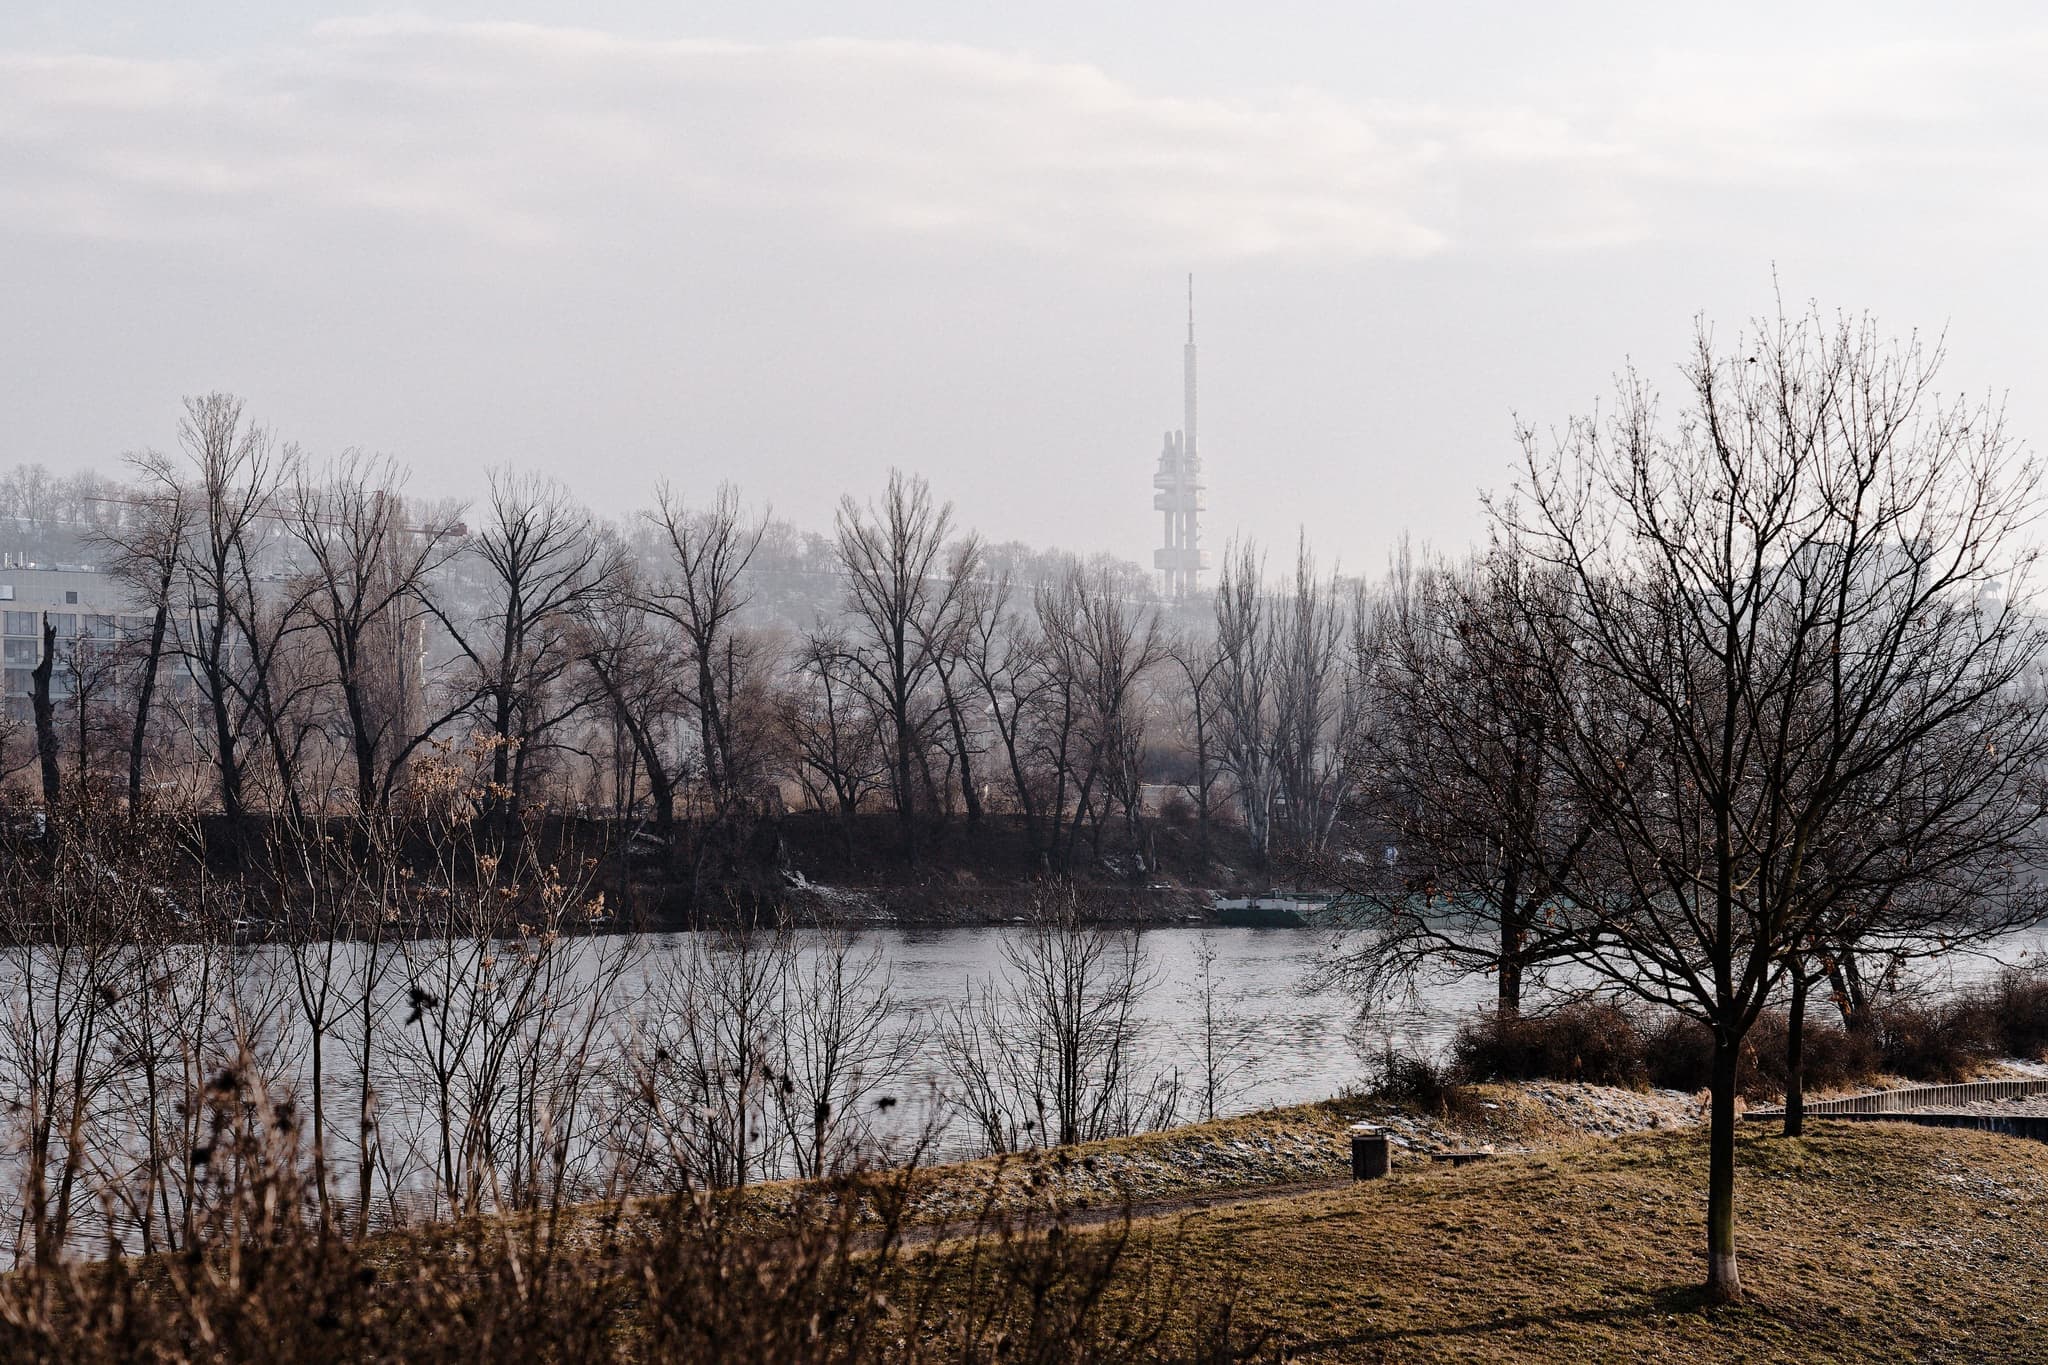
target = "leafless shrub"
x: 1045, y: 1055
x: 833, y: 1272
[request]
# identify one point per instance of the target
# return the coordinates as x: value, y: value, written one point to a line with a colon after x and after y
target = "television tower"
x: 1181, y: 559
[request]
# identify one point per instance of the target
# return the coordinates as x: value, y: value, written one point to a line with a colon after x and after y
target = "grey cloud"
x: 518, y: 135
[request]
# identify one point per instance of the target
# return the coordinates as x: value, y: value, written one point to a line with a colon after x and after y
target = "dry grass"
x: 1866, y: 1242
x: 1241, y: 1155
x: 1860, y: 1242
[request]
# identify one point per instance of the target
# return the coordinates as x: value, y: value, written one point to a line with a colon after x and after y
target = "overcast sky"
x: 791, y: 245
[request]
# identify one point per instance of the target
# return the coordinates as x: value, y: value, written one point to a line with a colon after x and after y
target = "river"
x: 1284, y: 1044
x: 1299, y: 1046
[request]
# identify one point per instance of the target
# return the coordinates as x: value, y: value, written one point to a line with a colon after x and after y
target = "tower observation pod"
x: 1178, y: 487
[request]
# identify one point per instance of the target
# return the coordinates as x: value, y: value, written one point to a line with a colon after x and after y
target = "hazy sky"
x: 791, y: 245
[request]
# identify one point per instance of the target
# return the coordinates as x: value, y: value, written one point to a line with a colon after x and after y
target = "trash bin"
x: 1370, y: 1156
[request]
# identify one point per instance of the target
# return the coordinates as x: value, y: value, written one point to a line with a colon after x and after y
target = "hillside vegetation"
x: 1862, y: 1242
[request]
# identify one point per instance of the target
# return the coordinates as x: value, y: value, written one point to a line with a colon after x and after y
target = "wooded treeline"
x: 298, y: 632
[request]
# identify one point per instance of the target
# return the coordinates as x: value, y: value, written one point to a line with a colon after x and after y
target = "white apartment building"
x: 83, y: 603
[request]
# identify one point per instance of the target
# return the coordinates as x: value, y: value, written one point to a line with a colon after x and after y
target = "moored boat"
x: 1301, y: 910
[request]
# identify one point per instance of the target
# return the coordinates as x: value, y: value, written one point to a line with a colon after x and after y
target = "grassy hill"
x: 1861, y: 1242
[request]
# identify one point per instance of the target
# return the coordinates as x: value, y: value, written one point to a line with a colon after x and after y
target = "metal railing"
x: 1915, y: 1097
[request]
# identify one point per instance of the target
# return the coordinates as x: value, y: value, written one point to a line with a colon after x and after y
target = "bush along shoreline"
x: 1935, y: 1041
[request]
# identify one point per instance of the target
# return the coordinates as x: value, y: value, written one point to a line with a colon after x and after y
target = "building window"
x: 6, y: 592
x: 101, y: 628
x: 19, y: 682
x: 23, y: 623
x: 72, y: 598
x: 66, y: 623
x: 21, y: 651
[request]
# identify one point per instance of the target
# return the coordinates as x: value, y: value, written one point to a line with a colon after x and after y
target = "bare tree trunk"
x: 1508, y: 995
x: 968, y: 794
x: 1724, y: 1279
x: 225, y: 757
x: 906, y: 742
x: 46, y: 726
x: 1850, y: 993
x: 1795, y: 1055
x: 138, y: 735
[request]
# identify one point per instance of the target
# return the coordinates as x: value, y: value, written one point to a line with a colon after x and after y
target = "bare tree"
x: 1483, y: 832
x: 367, y: 575
x: 1049, y: 1053
x: 1324, y: 649
x: 145, y: 555
x: 1005, y: 663
x: 845, y: 1036
x: 1314, y: 708
x: 506, y: 1010
x: 896, y: 589
x: 835, y: 736
x: 709, y: 551
x: 949, y: 637
x: 1907, y: 873
x: 1198, y: 660
x: 708, y: 1057
x: 542, y: 561
x: 236, y: 470
x: 1244, y: 701
x: 69, y: 922
x: 93, y: 666
x: 1098, y: 649
x: 1219, y: 1036
x: 1773, y: 620
x: 640, y: 675
x: 46, y: 713
x: 1123, y: 647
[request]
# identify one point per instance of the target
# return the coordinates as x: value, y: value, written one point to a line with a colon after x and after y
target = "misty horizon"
x: 794, y: 248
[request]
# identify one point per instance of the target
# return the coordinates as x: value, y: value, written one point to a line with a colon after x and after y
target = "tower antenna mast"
x: 1178, y: 486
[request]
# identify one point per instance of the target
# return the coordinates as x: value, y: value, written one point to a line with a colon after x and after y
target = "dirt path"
x: 1098, y: 1215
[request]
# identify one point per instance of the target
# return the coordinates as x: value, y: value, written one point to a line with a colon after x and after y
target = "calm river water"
x: 1287, y: 1045
x: 1298, y: 1046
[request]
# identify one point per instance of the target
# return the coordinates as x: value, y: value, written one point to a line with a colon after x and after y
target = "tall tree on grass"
x: 1768, y: 628
x: 897, y: 589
